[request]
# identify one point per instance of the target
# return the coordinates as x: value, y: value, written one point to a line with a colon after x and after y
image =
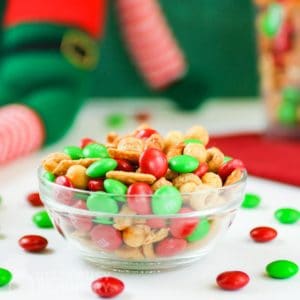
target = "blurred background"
x: 70, y: 69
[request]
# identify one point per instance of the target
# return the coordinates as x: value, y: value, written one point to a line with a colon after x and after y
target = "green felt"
x: 219, y: 42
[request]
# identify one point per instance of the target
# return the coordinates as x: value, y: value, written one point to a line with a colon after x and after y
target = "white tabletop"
x: 61, y: 273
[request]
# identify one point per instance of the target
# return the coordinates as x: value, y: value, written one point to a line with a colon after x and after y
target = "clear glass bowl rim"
x: 63, y: 208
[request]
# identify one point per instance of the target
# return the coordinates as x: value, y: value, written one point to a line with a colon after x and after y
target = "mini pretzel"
x: 173, y: 137
x: 196, y: 150
x: 212, y: 179
x: 130, y: 177
x: 64, y: 165
x: 198, y: 132
x: 155, y: 141
x: 132, y: 156
x: 130, y: 143
x: 175, y: 150
x: 53, y: 159
x: 135, y: 236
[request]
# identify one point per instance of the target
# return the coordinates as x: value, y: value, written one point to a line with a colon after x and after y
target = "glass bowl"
x: 131, y: 242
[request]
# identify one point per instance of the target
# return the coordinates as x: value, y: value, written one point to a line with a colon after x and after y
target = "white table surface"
x: 60, y: 273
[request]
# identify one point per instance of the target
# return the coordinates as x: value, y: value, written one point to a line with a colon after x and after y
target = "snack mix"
x: 139, y: 179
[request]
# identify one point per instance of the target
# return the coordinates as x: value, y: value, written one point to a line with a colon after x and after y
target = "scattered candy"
x: 263, y: 234
x: 115, y: 120
x: 33, y: 243
x: 41, y: 219
x: 107, y: 287
x: 142, y: 117
x: 232, y: 280
x: 5, y: 277
x: 282, y: 269
x: 251, y: 201
x: 34, y: 199
x: 287, y: 215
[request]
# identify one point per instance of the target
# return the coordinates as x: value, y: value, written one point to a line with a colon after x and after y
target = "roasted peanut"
x: 212, y: 179
x: 188, y: 187
x: 173, y: 138
x: 122, y: 223
x: 127, y: 252
x: 78, y: 177
x: 184, y: 178
x: 160, y: 182
x: 175, y: 150
x: 198, y: 132
x: 134, y: 236
x: 196, y: 150
x: 130, y: 144
x: 234, y: 177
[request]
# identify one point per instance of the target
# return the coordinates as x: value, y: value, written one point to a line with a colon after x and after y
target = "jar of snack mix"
x: 278, y: 27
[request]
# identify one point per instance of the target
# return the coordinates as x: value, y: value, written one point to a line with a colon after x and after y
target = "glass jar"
x: 278, y: 27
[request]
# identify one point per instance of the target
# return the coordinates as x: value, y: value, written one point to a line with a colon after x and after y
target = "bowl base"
x: 141, y: 267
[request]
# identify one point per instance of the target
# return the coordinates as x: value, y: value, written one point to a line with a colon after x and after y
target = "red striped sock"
x: 150, y: 42
x: 21, y: 132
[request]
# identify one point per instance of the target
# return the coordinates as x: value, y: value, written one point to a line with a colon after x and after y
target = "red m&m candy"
x: 34, y: 199
x: 86, y: 141
x: 139, y: 198
x: 106, y: 237
x: 33, y: 243
x: 107, y: 287
x: 124, y: 165
x: 201, y: 170
x: 170, y: 247
x: 95, y: 185
x: 232, y: 280
x: 263, y: 234
x: 182, y: 227
x: 226, y: 169
x: 145, y: 133
x: 154, y: 161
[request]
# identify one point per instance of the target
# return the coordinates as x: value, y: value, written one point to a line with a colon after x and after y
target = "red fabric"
x: 264, y: 157
x: 21, y: 132
x: 150, y: 42
x: 85, y: 14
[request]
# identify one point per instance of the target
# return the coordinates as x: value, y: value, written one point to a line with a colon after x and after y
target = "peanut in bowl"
x: 181, y: 227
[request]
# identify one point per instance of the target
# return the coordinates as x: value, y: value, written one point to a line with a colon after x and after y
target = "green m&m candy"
x: 166, y: 200
x: 200, y: 231
x: 183, y: 163
x: 272, y: 19
x: 291, y: 94
x: 74, y: 152
x: 49, y: 176
x: 115, y: 120
x: 251, y: 201
x: 287, y: 215
x: 115, y: 187
x: 5, y: 277
x: 95, y: 151
x: 192, y: 141
x: 287, y: 113
x: 227, y: 159
x: 101, y: 167
x: 42, y: 220
x: 281, y: 269
x: 102, y: 202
